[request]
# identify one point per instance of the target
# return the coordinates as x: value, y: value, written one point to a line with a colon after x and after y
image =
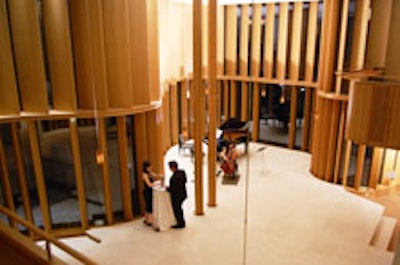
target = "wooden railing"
x: 46, y: 237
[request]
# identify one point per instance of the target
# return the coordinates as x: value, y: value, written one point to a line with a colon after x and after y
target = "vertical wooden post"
x: 294, y: 67
x: 309, y: 69
x: 40, y: 184
x: 5, y: 180
x: 243, y: 59
x: 377, y: 159
x: 360, y: 166
x: 333, y: 133
x: 212, y: 81
x: 269, y: 41
x: 347, y: 155
x: 231, y: 54
x: 199, y: 107
x: 124, y: 168
x: 105, y: 171
x: 226, y: 100
x: 19, y: 163
x: 140, y: 144
x: 339, y: 147
x: 184, y: 106
x: 78, y: 172
x: 174, y: 118
x: 255, y: 65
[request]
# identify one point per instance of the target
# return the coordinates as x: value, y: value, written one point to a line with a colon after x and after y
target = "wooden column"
x: 102, y: 150
x: 174, y: 115
x: 59, y: 54
x: 19, y: 163
x: 140, y: 145
x: 28, y: 55
x: 220, y: 57
x: 244, y: 60
x: 166, y: 119
x: 347, y: 156
x: 80, y: 186
x: 199, y: 106
x: 9, y: 103
x: 333, y: 136
x: 124, y: 168
x: 255, y: 65
x: 40, y: 183
x: 377, y: 159
x: 294, y: 67
x: 309, y: 70
x: 360, y: 166
x: 269, y: 41
x: 231, y: 54
x: 184, y: 106
x: 339, y: 147
x: 5, y: 180
x: 212, y: 81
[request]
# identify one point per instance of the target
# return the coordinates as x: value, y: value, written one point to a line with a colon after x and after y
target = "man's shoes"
x: 178, y: 226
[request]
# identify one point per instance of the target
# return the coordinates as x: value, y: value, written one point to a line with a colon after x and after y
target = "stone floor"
x: 278, y: 213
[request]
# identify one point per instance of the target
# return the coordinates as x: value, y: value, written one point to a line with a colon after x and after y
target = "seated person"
x: 229, y: 164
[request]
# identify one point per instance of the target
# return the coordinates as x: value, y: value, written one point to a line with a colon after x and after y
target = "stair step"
x: 383, y: 233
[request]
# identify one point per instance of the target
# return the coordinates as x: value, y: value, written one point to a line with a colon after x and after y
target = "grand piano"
x: 234, y: 131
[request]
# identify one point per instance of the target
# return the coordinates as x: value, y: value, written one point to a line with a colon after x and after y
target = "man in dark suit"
x: 177, y: 188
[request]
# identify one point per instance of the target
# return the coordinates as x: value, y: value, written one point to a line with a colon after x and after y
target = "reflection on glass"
x: 59, y: 173
x: 92, y: 173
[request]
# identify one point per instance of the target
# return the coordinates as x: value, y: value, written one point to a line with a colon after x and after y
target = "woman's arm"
x: 147, y: 180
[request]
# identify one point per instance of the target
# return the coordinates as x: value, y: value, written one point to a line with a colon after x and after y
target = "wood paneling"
x: 140, y: 144
x: 269, y: 41
x: 9, y: 103
x: 392, y: 66
x: 80, y: 186
x: 40, y: 183
x: 255, y: 112
x: 243, y: 60
x: 153, y: 52
x: 373, y: 114
x: 339, y: 147
x: 332, y: 143
x: 27, y: 47
x: 118, y: 54
x: 59, y: 54
x: 124, y: 168
x: 154, y: 141
x: 89, y: 54
x: 346, y: 162
x: 103, y: 151
x: 231, y: 53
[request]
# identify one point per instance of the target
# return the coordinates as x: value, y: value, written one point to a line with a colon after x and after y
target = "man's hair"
x: 173, y: 164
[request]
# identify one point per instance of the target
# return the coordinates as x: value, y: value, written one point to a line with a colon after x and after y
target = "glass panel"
x: 114, y: 168
x: 274, y: 114
x: 59, y: 173
x: 92, y: 174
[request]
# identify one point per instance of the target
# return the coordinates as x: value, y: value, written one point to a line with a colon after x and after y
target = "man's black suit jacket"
x: 177, y: 186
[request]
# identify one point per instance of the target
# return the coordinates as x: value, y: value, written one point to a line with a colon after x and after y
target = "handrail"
x: 47, y: 237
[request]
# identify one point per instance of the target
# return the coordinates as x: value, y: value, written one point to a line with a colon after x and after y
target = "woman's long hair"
x: 146, y: 165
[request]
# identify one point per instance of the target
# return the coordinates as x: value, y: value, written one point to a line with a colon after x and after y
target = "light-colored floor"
x: 291, y: 218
